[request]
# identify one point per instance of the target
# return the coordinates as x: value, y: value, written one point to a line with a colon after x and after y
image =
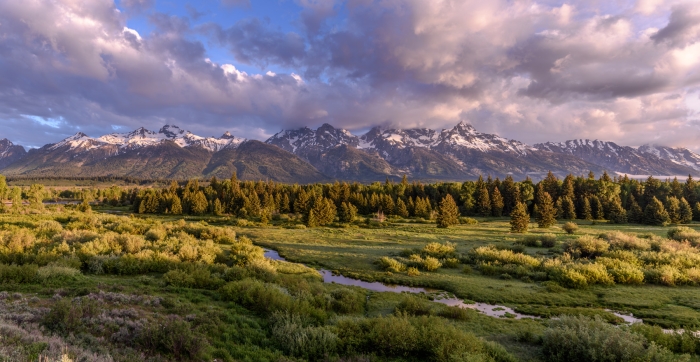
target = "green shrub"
x: 439, y: 250
x: 621, y: 241
x: 468, y: 221
x: 308, y: 342
x: 19, y: 274
x: 586, y: 247
x: 413, y: 306
x: 574, y: 339
x: 391, y: 265
x: 684, y: 233
x: 540, y: 240
x: 347, y: 301
x: 489, y: 253
x: 431, y: 264
x: 570, y: 227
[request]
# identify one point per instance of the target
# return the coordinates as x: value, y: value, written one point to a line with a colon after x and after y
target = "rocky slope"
x: 10, y: 153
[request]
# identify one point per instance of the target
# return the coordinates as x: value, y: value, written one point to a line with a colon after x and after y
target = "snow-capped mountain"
x: 624, y: 159
x: 306, y: 140
x: 307, y: 155
x: 142, y: 137
x: 677, y: 155
x: 10, y: 152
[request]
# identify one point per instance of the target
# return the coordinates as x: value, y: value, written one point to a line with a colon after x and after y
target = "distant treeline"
x: 105, y: 179
x: 618, y: 199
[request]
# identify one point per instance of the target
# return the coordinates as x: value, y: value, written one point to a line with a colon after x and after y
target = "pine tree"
x: 218, y: 209
x: 311, y: 220
x: 655, y: 213
x: 597, y: 207
x: 689, y: 190
x: 401, y: 209
x: 284, y: 203
x: 448, y: 213
x: 686, y: 211
x: 176, y: 206
x: 587, y: 211
x: 568, y: 208
x: 199, y: 203
x: 635, y: 215
x: 696, y: 211
x: 348, y: 212
x: 483, y: 202
x: 496, y: 203
x: 617, y: 214
x: 546, y: 210
x: 673, y: 208
x: 519, y: 219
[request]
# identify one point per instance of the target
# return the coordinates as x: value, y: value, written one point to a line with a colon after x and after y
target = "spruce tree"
x: 311, y: 220
x: 636, y: 214
x: 597, y: 207
x: 689, y: 190
x: 617, y: 214
x: 218, y: 209
x: 199, y: 204
x: 401, y: 209
x: 483, y: 202
x: 655, y: 213
x: 496, y: 203
x: 673, y: 208
x: 568, y: 208
x: 546, y: 210
x: 587, y: 211
x: 448, y: 213
x: 696, y: 211
x: 348, y: 212
x: 519, y: 219
x: 686, y: 211
x: 176, y: 206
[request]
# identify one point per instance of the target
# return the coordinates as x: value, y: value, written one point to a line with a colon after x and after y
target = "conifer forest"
x: 584, y: 268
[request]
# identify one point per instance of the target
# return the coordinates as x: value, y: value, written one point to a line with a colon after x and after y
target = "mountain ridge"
x: 327, y: 153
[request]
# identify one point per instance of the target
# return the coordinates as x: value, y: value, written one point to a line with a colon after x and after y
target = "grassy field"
x: 109, y: 285
x: 353, y: 251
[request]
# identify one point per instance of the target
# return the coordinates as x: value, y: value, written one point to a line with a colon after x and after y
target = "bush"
x: 684, y: 233
x: 412, y: 272
x: 438, y: 250
x: 347, y: 301
x: 621, y: 241
x: 468, y: 221
x: 573, y: 339
x: 57, y: 272
x: 308, y: 342
x: 391, y: 265
x: 413, y: 306
x: 431, y: 264
x: 570, y: 227
x: 172, y: 336
x: 19, y: 274
x: 586, y: 247
x: 540, y: 240
x: 491, y: 254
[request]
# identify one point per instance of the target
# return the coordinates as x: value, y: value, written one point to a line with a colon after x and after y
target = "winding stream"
x: 440, y: 296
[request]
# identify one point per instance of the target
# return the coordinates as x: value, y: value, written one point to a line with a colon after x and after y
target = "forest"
x: 180, y: 272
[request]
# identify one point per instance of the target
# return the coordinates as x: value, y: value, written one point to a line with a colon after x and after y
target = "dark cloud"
x: 137, y: 6
x: 683, y: 26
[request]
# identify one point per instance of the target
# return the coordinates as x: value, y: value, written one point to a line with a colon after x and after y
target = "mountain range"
x: 327, y: 153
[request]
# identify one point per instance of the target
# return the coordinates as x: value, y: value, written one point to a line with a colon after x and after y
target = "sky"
x: 626, y: 71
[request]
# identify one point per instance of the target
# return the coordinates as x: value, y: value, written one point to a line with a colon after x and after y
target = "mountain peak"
x: 464, y: 128
x: 227, y: 136
x: 5, y: 142
x: 171, y: 131
x: 140, y: 132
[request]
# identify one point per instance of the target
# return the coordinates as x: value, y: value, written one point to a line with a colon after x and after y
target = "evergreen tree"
x: 519, y: 219
x: 696, y: 211
x: 284, y: 203
x: 546, y: 210
x: 3, y: 189
x: 348, y: 212
x: 673, y: 208
x: 401, y: 209
x: 686, y: 211
x: 199, y: 203
x: 655, y: 213
x: 587, y: 211
x: 176, y: 206
x: 635, y: 215
x: 568, y: 208
x: 448, y: 213
x: 496, y: 203
x: 689, y: 190
x: 617, y: 214
x: 323, y: 212
x: 483, y: 202
x: 218, y: 208
x: 311, y: 220
x: 597, y: 207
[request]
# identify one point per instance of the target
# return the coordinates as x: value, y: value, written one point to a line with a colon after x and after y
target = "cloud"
x: 527, y: 70
x: 137, y: 6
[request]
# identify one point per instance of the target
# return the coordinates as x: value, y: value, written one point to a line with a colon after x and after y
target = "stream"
x: 440, y: 296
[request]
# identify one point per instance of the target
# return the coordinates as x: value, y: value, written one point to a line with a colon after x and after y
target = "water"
x: 628, y: 318
x: 439, y: 296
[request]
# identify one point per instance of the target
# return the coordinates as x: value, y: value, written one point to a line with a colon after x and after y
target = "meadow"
x: 182, y: 272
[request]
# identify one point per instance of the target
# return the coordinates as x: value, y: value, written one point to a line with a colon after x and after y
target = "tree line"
x: 618, y: 199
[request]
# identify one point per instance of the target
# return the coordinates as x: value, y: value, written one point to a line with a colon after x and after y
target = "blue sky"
x: 533, y: 70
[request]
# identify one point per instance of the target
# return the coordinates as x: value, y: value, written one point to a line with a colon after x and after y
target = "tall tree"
x: 686, y: 212
x: 519, y: 218
x: 448, y: 213
x: 673, y: 208
x: 546, y: 211
x: 483, y: 202
x: 635, y: 215
x: 617, y: 214
x: 655, y: 213
x: 496, y: 203
x: 568, y: 208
